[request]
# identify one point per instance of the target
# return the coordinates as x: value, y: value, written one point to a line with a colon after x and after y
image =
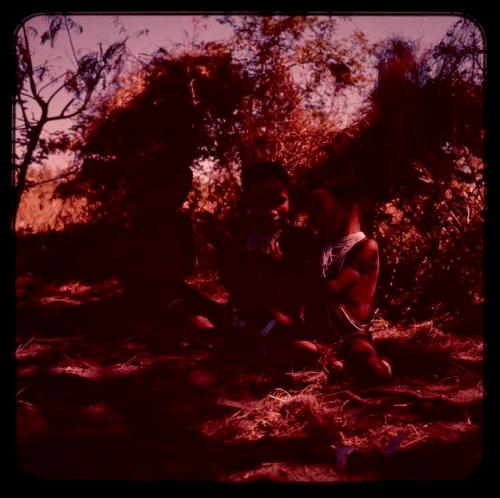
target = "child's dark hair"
x: 348, y: 189
x: 265, y: 170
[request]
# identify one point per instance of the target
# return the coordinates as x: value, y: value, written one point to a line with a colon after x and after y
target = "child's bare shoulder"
x: 368, y: 247
x: 364, y: 255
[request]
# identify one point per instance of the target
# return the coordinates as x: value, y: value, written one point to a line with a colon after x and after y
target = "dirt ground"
x: 95, y: 400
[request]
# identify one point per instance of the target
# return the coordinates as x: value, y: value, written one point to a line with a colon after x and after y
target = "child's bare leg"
x: 307, y: 347
x: 363, y: 362
x: 201, y: 323
x: 285, y: 352
x: 301, y: 352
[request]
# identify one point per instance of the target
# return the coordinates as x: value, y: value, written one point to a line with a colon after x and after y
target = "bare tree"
x: 37, y: 88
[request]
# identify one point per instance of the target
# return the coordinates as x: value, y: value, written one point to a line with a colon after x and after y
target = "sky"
x: 168, y: 30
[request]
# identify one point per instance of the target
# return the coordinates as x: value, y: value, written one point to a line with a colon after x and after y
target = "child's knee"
x: 200, y: 322
x: 358, y: 347
x: 363, y: 361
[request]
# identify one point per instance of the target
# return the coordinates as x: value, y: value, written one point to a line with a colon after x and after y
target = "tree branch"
x: 71, y: 42
x: 78, y: 111
x: 25, y: 116
x: 66, y: 107
x: 49, y: 100
x: 60, y: 177
x: 27, y: 95
x: 52, y: 81
x: 29, y: 63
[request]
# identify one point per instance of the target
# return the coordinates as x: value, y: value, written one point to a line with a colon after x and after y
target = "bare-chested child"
x: 340, y: 308
x: 263, y: 261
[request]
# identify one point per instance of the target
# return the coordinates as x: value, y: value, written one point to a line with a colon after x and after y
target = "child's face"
x: 267, y: 203
x: 326, y: 214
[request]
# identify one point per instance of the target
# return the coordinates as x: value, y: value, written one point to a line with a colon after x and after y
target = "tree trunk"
x: 23, y: 168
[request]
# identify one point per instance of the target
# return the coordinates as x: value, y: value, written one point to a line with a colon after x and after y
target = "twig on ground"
x: 276, y: 398
x: 353, y: 396
x: 460, y: 366
x: 22, y: 347
x: 128, y: 361
x: 21, y: 390
x: 413, y: 442
x: 414, y: 429
x: 344, y: 404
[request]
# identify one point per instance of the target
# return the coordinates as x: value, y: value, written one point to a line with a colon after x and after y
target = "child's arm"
x: 280, y: 316
x: 235, y: 270
x: 362, y: 259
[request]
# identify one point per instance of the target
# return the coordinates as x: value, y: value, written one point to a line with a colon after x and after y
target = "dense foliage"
x: 279, y: 89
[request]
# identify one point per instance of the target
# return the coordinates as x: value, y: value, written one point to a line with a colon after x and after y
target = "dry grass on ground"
x: 95, y: 401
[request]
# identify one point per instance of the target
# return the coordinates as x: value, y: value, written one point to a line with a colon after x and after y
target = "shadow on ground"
x: 95, y: 400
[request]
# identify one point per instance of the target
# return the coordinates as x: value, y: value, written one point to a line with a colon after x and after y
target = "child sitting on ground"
x: 263, y: 261
x: 340, y: 309
x: 157, y: 254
